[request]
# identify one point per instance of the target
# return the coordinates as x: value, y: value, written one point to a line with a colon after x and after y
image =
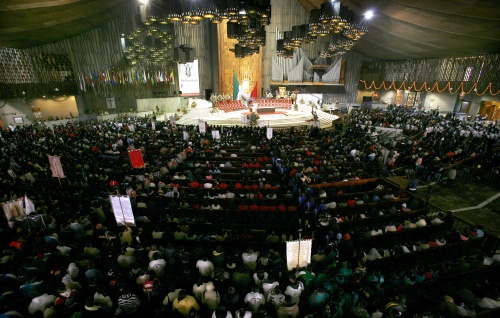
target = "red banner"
x: 136, y: 159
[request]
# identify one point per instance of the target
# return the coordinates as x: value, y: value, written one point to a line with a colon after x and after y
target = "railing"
x: 467, y: 175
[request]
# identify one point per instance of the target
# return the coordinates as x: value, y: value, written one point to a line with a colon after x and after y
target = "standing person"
x: 184, y: 304
x: 452, y: 175
x: 288, y: 309
x: 211, y: 297
x: 255, y: 299
x: 249, y: 258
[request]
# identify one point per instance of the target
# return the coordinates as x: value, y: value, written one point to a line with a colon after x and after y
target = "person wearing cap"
x: 404, y: 208
x: 218, y: 256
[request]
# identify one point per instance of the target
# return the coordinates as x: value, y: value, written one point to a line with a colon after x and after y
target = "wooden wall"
x: 249, y: 68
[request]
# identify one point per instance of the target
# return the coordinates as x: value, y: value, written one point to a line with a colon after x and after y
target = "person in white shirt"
x: 211, y: 297
x: 255, y: 299
x: 205, y: 266
x: 268, y: 286
x: 250, y: 259
x: 294, y: 290
x: 157, y: 265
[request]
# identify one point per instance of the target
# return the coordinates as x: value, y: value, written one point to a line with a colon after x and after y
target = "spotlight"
x: 368, y: 14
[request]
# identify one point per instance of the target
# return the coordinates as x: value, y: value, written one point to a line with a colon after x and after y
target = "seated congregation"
x: 212, y: 218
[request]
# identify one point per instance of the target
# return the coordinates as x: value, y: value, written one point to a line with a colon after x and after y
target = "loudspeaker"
x: 208, y: 93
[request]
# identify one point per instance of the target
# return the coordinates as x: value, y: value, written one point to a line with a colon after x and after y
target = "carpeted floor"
x: 464, y: 197
x: 277, y: 112
x: 470, y: 195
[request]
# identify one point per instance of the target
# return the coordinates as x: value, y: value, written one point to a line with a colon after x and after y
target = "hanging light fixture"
x: 335, y: 22
x: 251, y: 16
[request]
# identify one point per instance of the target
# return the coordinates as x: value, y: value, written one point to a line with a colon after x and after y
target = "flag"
x: 236, y: 86
x: 82, y: 82
x: 56, y: 167
x: 269, y: 133
x: 171, y: 79
x: 136, y: 159
x: 253, y: 95
x: 29, y: 207
x: 84, y: 175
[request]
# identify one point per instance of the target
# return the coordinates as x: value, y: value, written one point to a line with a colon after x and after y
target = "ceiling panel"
x: 400, y: 29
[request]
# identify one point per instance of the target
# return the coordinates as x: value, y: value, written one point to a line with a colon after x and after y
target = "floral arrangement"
x: 252, y: 118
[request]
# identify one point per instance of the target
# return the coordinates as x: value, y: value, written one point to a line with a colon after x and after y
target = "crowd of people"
x: 192, y: 251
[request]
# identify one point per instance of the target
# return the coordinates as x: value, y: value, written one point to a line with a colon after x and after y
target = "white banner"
x: 13, y: 209
x: 56, y: 167
x: 185, y: 135
x: 202, y: 127
x: 122, y: 209
x: 29, y: 207
x: 153, y: 126
x: 189, y: 79
x: 215, y: 134
x: 298, y: 254
x: 269, y: 133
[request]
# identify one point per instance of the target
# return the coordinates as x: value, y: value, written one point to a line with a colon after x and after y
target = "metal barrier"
x: 467, y: 175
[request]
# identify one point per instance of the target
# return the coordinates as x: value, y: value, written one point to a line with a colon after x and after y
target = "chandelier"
x: 246, y: 19
x: 334, y: 22
x: 150, y: 44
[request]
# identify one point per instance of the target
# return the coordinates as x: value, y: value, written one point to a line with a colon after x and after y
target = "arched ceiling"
x: 414, y: 29
x: 400, y: 29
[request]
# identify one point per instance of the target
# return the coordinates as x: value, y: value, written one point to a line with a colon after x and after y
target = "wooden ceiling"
x: 28, y: 23
x: 400, y: 29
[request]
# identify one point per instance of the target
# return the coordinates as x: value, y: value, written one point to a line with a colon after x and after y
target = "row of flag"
x: 90, y: 79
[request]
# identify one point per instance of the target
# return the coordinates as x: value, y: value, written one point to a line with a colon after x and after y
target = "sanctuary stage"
x: 275, y: 117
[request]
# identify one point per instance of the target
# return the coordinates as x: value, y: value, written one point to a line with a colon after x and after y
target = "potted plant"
x: 193, y: 104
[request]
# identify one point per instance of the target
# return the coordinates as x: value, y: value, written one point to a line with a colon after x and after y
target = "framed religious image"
x: 282, y: 92
x: 18, y: 120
